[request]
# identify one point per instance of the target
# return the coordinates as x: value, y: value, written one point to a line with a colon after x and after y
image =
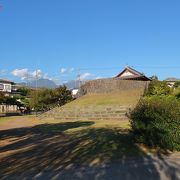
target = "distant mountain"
x: 46, y: 83
x: 40, y: 83
x: 73, y: 84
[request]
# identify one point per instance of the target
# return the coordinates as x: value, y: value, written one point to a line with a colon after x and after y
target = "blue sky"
x: 98, y: 37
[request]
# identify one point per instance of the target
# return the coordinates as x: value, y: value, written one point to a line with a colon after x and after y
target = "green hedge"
x: 156, y: 122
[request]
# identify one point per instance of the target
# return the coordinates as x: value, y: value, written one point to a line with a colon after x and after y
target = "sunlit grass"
x: 123, y: 124
x: 129, y: 97
x: 31, y: 120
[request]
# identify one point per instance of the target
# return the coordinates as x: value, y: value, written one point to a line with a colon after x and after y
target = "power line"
x: 160, y: 67
x: 146, y: 67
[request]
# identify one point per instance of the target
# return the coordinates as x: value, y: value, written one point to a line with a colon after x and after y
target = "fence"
x: 8, y: 109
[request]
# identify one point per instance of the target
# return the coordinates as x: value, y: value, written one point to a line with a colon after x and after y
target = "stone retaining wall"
x: 111, y: 84
x: 99, y: 112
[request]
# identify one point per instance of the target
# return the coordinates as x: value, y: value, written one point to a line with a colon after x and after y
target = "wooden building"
x: 131, y: 74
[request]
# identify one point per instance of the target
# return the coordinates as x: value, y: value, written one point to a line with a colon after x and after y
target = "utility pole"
x: 79, y: 79
x: 36, y: 78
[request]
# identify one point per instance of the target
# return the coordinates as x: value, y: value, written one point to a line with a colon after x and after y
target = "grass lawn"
x: 130, y: 97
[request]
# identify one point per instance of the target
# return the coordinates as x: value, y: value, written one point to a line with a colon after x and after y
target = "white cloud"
x: 21, y: 73
x: 25, y: 74
x: 63, y: 70
x: 37, y: 74
x: 85, y: 76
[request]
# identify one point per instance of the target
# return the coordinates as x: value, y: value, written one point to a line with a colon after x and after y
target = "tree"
x: 23, y: 91
x: 177, y: 84
x: 2, y: 98
x: 155, y: 121
x: 154, y: 77
x: 158, y: 88
x: 62, y: 95
x: 45, y: 99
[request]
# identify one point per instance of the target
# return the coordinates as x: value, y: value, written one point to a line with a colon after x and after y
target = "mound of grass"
x: 129, y: 97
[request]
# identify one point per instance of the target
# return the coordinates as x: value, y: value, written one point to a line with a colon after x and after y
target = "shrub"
x: 176, y: 93
x: 158, y: 88
x: 156, y: 122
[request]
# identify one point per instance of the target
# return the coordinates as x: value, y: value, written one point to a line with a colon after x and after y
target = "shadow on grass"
x: 45, y: 152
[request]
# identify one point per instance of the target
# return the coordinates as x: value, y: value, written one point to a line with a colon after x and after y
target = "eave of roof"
x: 6, y: 81
x: 142, y: 77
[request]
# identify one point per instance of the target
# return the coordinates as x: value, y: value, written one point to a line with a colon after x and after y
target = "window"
x: 1, y: 87
x: 7, y: 88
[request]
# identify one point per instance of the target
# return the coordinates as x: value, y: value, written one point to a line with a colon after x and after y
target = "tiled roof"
x: 136, y: 75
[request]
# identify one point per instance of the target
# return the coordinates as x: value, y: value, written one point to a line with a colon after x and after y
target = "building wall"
x: 127, y: 73
x: 111, y: 84
x: 5, y: 87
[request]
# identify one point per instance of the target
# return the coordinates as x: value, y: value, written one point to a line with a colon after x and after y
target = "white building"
x: 171, y: 81
x: 6, y: 86
x: 75, y: 93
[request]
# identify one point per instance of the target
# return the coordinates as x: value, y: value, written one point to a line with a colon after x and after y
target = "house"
x: 131, y: 74
x: 6, y: 86
x: 171, y: 81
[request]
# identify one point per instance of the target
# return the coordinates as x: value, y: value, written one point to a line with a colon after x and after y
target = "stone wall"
x: 111, y: 84
x: 98, y: 112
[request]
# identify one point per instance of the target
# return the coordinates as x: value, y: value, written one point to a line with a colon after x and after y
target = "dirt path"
x: 30, y: 149
x: 17, y: 122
